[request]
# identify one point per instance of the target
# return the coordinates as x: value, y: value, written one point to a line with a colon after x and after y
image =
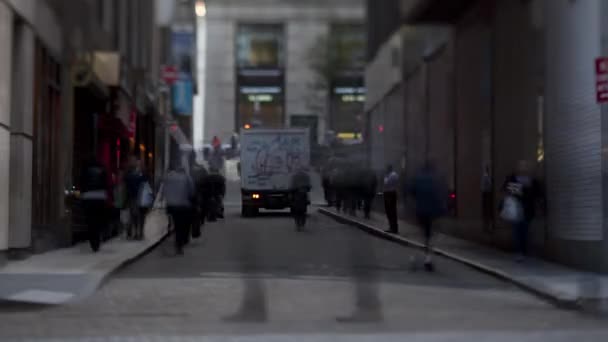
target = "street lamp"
x: 200, y: 8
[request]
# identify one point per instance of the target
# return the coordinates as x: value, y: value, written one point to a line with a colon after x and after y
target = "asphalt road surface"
x: 257, y: 279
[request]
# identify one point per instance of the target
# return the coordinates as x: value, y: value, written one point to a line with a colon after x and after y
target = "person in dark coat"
x: 367, y: 188
x: 214, y: 190
x: 529, y: 192
x: 339, y: 186
x: 95, y: 188
x: 134, y: 180
x: 300, y: 186
x: 198, y: 174
x: 430, y: 194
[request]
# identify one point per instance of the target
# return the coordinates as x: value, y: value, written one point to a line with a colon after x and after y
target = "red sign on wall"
x: 169, y: 74
x: 601, y: 79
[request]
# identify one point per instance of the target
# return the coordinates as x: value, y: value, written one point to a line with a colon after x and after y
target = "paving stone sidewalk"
x: 563, y: 286
x: 70, y: 274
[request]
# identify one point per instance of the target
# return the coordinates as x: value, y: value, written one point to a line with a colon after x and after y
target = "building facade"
x: 260, y: 72
x: 482, y: 84
x: 79, y: 79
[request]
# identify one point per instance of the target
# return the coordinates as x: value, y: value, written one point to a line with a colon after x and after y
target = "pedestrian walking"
x: 120, y: 213
x: 214, y: 190
x: 199, y: 210
x: 487, y: 200
x: 145, y: 201
x: 300, y: 186
x: 367, y: 190
x: 391, y: 184
x: 234, y: 144
x: 95, y: 186
x: 522, y: 193
x: 178, y: 191
x: 134, y: 181
x: 216, y: 161
x: 431, y: 196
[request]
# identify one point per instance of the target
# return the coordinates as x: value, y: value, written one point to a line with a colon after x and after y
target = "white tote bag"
x: 146, y: 196
x: 512, y: 210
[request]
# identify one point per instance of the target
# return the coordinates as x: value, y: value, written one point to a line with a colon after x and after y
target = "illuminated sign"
x: 260, y: 98
x: 353, y: 98
x: 261, y: 90
x: 349, y: 90
x: 348, y: 136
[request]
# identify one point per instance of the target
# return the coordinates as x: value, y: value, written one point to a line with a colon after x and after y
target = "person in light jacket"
x: 391, y: 184
x: 178, y: 191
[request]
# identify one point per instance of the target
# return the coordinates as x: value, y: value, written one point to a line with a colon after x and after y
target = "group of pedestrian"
x: 348, y: 187
x: 192, y: 195
x: 121, y: 200
x: 521, y: 194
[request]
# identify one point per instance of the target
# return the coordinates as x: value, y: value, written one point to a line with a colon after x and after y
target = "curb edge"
x: 568, y: 304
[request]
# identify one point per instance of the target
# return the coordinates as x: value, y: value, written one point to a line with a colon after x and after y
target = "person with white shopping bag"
x: 137, y: 198
x: 145, y: 201
x: 518, y: 207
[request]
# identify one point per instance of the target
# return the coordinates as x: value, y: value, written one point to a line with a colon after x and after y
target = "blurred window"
x: 260, y: 46
x: 347, y: 45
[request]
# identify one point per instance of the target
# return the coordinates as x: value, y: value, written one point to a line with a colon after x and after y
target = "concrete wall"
x: 301, y: 36
x: 441, y: 149
x: 220, y: 97
x: 40, y: 16
x: 6, y: 37
x: 21, y: 137
x: 383, y: 73
x: 473, y: 106
x: 416, y: 126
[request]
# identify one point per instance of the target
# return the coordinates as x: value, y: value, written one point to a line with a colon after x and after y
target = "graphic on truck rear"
x: 273, y: 160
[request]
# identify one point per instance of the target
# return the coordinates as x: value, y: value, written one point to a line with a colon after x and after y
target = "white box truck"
x: 269, y: 157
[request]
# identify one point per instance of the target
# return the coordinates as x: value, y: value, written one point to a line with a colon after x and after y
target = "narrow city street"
x: 258, y: 279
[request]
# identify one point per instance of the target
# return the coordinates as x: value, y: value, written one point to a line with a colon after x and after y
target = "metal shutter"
x: 573, y: 120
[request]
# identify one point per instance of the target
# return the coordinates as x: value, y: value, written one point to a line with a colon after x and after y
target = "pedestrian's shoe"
x: 428, y: 265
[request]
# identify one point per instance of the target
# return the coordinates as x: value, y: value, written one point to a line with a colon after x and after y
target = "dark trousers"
x: 520, y: 236
x: 367, y: 205
x: 390, y: 207
x: 96, y: 218
x: 182, y: 219
x: 487, y: 208
x: 426, y: 223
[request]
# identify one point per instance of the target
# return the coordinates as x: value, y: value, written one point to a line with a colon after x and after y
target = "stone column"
x: 6, y: 35
x: 22, y: 119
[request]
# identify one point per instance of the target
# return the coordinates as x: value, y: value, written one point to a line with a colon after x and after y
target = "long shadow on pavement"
x: 368, y: 307
x: 253, y: 307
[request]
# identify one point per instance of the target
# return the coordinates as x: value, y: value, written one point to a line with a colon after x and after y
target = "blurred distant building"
x: 260, y: 72
x: 476, y: 83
